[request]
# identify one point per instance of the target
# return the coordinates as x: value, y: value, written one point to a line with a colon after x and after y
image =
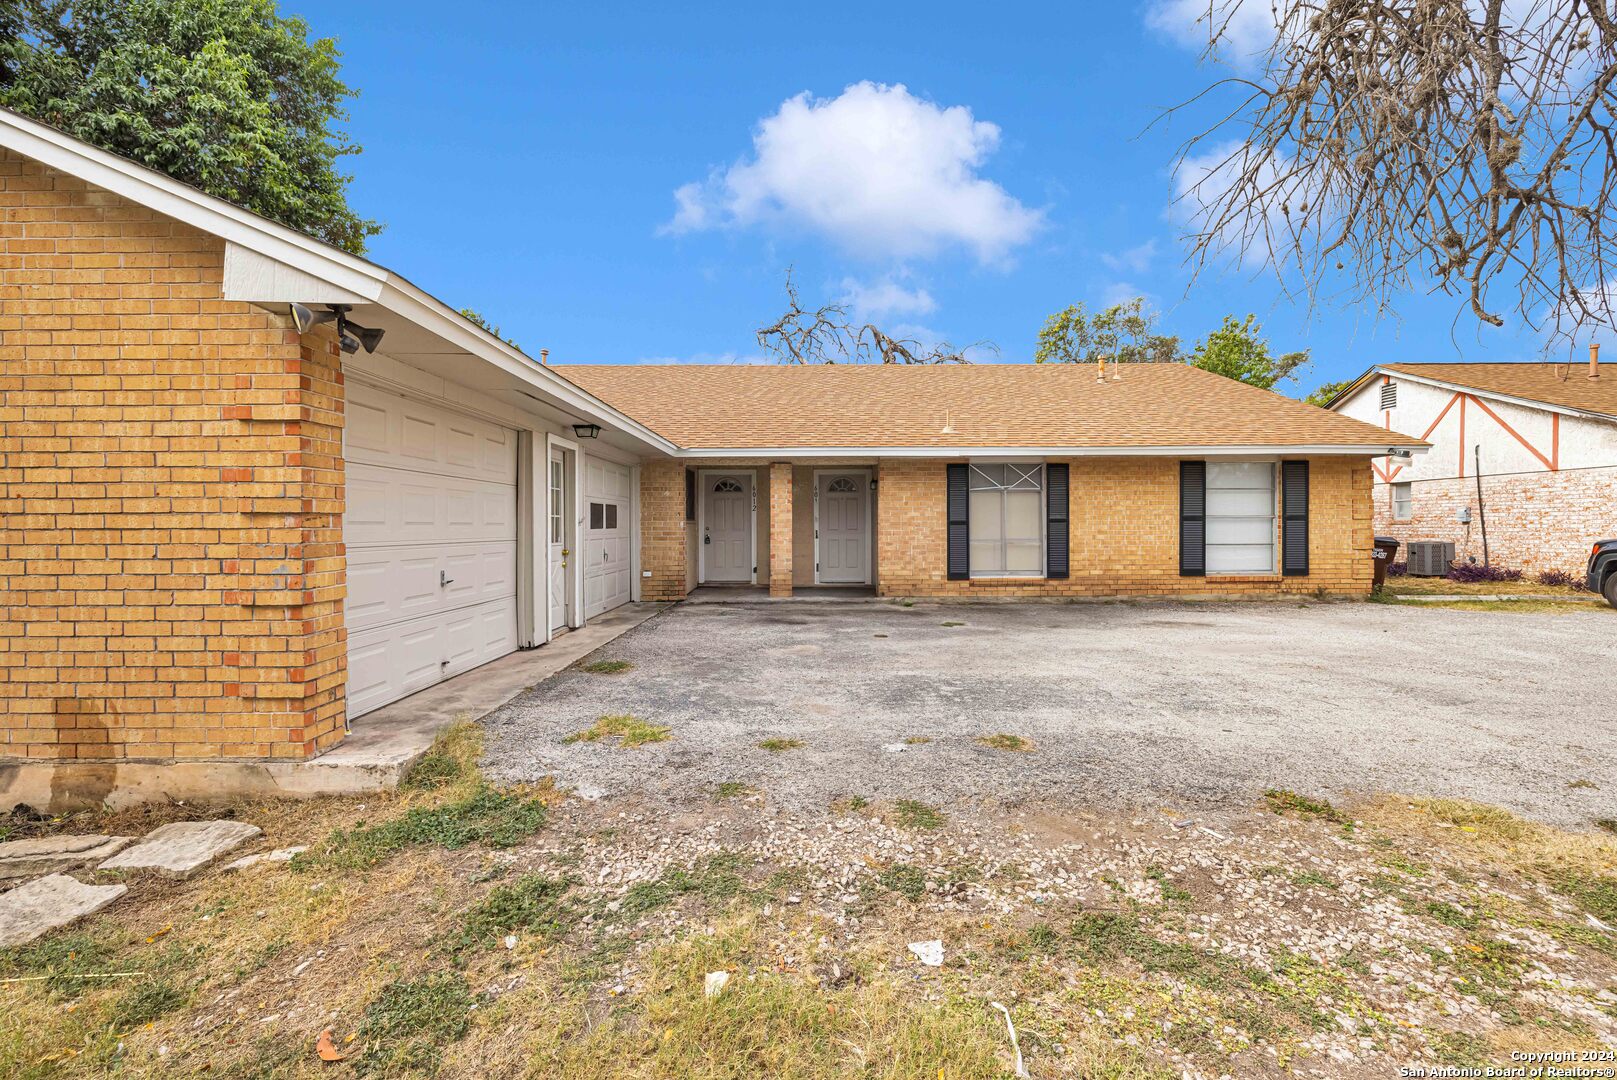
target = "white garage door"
x: 606, y: 536
x: 431, y: 532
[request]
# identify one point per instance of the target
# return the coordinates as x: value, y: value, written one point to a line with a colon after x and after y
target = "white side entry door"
x: 559, y: 490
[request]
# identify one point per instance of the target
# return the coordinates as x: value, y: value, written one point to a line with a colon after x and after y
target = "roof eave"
x: 1495, y: 395
x: 1395, y: 445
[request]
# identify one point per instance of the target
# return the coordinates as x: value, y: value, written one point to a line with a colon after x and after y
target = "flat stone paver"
x: 47, y: 904
x: 52, y: 854
x: 184, y: 847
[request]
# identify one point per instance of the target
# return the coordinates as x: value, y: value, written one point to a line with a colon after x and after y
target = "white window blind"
x: 1241, y: 529
x: 1007, y: 520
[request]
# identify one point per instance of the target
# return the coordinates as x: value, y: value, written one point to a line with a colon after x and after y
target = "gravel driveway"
x: 1158, y: 704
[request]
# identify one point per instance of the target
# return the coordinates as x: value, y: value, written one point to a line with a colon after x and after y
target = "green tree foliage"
x: 1238, y: 351
x: 1325, y: 393
x: 476, y: 317
x: 1124, y: 332
x: 225, y: 95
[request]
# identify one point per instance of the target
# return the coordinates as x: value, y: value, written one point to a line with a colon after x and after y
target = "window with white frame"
x: 1403, y: 501
x: 1241, y: 517
x: 1007, y: 520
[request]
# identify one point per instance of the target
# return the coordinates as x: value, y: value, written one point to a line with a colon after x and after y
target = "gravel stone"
x: 1128, y: 704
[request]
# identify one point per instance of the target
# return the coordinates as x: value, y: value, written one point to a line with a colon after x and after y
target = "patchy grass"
x: 450, y: 762
x: 1606, y: 823
x: 951, y: 623
x: 410, y: 1023
x: 717, y: 880
x: 606, y: 667
x: 911, y: 814
x: 1574, y: 785
x: 731, y: 789
x: 771, y: 1021
x: 903, y: 879
x: 1312, y: 879
x: 1282, y: 801
x: 1546, y: 606
x: 630, y: 731
x: 1442, y: 586
x: 1171, y: 892
x: 775, y: 746
x: 849, y: 804
x: 533, y: 903
x: 1002, y: 741
x: 917, y: 740
x: 486, y: 816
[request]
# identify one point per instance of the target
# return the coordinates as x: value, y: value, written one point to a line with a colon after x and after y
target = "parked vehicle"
x: 1603, y: 570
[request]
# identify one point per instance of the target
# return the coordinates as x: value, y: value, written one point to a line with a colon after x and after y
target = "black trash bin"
x: 1386, y: 551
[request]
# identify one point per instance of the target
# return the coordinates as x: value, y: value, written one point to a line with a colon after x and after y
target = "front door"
x: 727, y: 527
x: 843, y: 509
x: 560, y: 555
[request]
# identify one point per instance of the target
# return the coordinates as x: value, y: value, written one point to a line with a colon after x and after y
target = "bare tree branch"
x: 1459, y: 146
x: 827, y: 335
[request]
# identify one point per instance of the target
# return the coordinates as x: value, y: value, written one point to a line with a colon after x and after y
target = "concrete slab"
x: 375, y: 756
x: 801, y: 594
x: 52, y: 854
x: 49, y: 903
x: 183, y: 847
x: 279, y: 855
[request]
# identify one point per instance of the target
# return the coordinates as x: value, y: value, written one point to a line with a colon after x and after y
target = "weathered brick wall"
x: 1124, y: 534
x: 780, y: 529
x: 662, y: 530
x: 170, y: 494
x: 1536, y: 521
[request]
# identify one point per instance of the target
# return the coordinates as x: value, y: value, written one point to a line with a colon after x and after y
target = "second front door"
x: 727, y: 527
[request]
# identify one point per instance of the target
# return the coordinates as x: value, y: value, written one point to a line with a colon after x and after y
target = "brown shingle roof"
x: 1566, y: 385
x: 986, y: 405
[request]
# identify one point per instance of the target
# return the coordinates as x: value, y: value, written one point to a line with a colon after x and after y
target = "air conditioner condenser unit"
x: 1430, y: 558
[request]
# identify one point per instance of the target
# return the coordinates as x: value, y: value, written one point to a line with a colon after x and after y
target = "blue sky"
x: 526, y: 160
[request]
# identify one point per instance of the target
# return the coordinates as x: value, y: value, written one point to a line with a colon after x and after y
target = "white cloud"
x: 877, y: 170
x: 1272, y: 218
x: 1245, y: 28
x: 874, y: 299
x: 1136, y: 260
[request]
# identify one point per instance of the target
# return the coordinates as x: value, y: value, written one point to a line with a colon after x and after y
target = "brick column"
x: 780, y: 529
x: 662, y: 530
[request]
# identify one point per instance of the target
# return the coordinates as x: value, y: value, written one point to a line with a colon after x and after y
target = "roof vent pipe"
x: 544, y: 357
x: 1594, y: 360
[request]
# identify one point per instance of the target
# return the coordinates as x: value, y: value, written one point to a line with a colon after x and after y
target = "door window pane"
x: 611, y: 515
x: 597, y: 515
x: 555, y: 502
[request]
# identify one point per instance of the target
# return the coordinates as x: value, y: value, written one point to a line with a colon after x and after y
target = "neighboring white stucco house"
x: 1547, y: 439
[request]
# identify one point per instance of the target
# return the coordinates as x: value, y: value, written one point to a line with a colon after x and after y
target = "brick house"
x: 1547, y: 436
x: 225, y: 540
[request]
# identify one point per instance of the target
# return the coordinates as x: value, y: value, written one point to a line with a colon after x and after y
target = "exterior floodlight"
x: 304, y: 320
x: 587, y: 431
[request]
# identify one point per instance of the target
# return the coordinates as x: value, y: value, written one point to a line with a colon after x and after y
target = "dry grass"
x: 775, y: 746
x: 630, y: 731
x: 406, y: 959
x: 1546, y: 606
x: 1003, y: 741
x: 1423, y: 586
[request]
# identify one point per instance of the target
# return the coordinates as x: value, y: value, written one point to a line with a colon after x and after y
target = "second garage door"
x: 431, y: 532
x: 606, y: 536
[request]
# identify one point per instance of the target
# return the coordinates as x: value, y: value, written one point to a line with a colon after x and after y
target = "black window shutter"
x: 959, y: 509
x: 1193, y: 519
x: 1055, y: 532
x: 1294, y: 518
x: 690, y: 495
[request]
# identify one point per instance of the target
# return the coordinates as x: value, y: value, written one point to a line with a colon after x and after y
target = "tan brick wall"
x: 662, y: 530
x: 171, y: 487
x: 1124, y: 534
x: 780, y: 529
x: 1536, y: 521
